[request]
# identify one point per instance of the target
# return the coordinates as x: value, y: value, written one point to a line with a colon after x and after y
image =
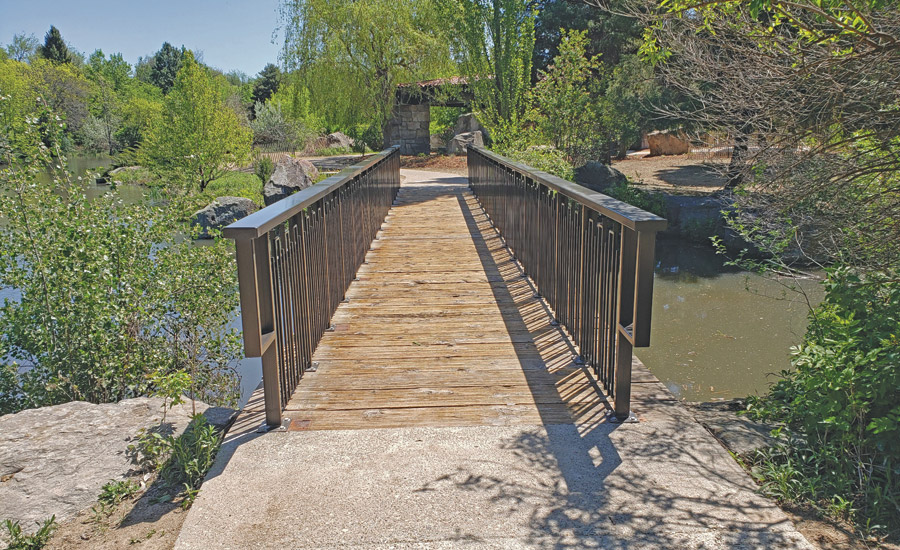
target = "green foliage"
x: 164, y: 66
x: 54, y: 48
x: 651, y: 202
x: 110, y: 294
x: 840, y: 401
x: 351, y: 54
x: 18, y: 540
x: 443, y: 119
x: 233, y: 184
x: 267, y: 82
x: 264, y: 169
x: 182, y: 461
x: 23, y: 47
x: 545, y: 159
x: 112, y: 494
x: 495, y: 39
x: 197, y: 139
x: 272, y: 126
x: 365, y: 137
x: 191, y: 456
x: 566, y: 106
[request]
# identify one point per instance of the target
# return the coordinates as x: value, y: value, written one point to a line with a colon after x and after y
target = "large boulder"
x: 598, y: 176
x: 438, y: 143
x: 468, y: 122
x: 339, y: 139
x: 667, y: 143
x: 290, y: 175
x: 459, y: 142
x: 54, y: 460
x: 221, y: 212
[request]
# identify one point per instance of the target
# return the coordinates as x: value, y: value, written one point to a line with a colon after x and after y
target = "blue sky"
x: 232, y: 34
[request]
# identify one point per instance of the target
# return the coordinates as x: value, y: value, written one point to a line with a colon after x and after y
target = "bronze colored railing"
x: 296, y: 259
x: 590, y: 256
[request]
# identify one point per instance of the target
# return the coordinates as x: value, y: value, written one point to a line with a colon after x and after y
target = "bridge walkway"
x: 441, y: 329
x: 447, y: 412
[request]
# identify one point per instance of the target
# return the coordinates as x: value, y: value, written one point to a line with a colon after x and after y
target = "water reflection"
x: 719, y: 332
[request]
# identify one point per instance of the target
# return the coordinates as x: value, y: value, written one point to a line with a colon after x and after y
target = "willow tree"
x: 494, y: 40
x: 353, y: 53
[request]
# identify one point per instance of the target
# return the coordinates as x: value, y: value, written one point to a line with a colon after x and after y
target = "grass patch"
x: 183, y: 461
x: 235, y: 184
x: 627, y: 192
x: 18, y: 540
x: 137, y: 176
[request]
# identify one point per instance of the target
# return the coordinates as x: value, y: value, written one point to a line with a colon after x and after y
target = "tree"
x: 351, y: 54
x: 110, y: 77
x: 197, y: 139
x: 808, y: 93
x: 495, y: 41
x: 164, y: 66
x: 54, y: 48
x: 23, y: 47
x: 567, y: 101
x: 267, y: 82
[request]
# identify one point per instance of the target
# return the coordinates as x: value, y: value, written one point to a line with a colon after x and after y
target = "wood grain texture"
x: 442, y: 329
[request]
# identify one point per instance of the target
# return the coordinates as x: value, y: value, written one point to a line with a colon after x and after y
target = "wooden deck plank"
x: 441, y: 329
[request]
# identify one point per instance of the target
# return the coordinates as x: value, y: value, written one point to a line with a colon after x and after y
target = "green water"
x: 717, y: 332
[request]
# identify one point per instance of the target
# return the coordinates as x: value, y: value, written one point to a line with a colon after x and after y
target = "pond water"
x: 718, y: 332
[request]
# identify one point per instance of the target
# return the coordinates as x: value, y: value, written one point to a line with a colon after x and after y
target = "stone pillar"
x: 408, y: 128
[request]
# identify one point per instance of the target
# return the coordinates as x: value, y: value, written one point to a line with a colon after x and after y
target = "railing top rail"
x: 259, y: 223
x: 626, y: 214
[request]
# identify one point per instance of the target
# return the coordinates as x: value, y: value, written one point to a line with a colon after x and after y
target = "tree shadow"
x: 663, y: 482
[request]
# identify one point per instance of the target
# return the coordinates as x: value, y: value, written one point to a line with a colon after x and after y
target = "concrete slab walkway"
x: 430, y: 451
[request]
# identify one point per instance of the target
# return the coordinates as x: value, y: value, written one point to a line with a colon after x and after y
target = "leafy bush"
x: 18, y: 540
x: 111, y: 297
x: 840, y: 400
x: 264, y: 169
x: 545, y: 158
x: 183, y: 461
x: 651, y: 202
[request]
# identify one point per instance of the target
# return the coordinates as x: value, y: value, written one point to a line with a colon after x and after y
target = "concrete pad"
x: 664, y: 483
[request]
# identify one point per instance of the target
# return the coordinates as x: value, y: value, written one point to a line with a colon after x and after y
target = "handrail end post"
x: 622, y: 389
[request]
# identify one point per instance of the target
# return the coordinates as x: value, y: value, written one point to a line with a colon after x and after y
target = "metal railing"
x: 590, y: 256
x: 296, y: 259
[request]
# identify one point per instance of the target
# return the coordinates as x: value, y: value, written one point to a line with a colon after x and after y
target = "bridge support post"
x: 258, y: 318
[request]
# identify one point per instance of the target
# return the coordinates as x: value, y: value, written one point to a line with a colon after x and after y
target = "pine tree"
x: 165, y: 65
x: 54, y: 48
x: 267, y: 83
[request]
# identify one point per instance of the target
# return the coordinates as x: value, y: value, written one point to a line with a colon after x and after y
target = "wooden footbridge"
x: 508, y: 297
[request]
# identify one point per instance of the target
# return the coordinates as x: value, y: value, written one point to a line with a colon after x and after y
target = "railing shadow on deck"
x: 573, y: 505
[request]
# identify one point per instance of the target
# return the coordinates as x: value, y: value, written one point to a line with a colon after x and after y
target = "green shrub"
x: 111, y: 296
x: 841, y: 402
x: 545, y: 158
x: 651, y: 202
x: 18, y: 540
x: 183, y: 461
x: 264, y: 169
x: 234, y: 184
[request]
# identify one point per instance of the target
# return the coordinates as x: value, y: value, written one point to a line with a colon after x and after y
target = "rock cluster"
x: 468, y: 122
x: 598, y: 176
x: 221, y: 212
x: 290, y: 175
x: 54, y: 460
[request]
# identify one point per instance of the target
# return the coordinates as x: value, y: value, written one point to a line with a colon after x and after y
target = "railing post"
x: 258, y: 318
x: 624, y: 322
